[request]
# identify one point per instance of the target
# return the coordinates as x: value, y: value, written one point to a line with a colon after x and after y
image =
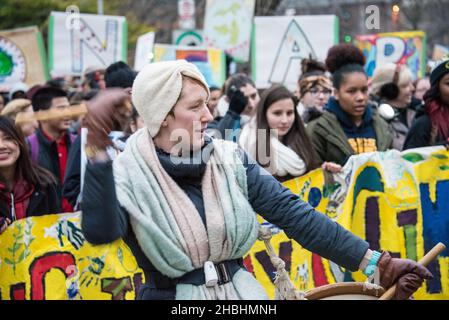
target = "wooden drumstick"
x: 431, y: 255
x: 51, y: 114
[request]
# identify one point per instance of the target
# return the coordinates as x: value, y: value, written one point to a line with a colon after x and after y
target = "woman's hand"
x: 4, y: 223
x: 109, y: 109
x: 331, y: 167
x: 407, y: 274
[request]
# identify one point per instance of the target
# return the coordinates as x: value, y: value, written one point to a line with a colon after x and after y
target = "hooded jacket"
x: 335, y: 137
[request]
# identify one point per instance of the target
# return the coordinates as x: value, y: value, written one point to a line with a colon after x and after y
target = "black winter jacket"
x: 104, y: 220
x: 42, y: 202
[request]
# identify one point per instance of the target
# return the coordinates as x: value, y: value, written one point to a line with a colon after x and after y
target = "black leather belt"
x: 225, y: 271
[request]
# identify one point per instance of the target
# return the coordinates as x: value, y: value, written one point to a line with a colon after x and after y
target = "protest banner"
x: 280, y: 44
x: 144, y: 50
x: 397, y: 202
x: 22, y: 57
x: 405, y: 47
x: 78, y: 41
x: 227, y: 26
x: 48, y: 258
x: 211, y: 62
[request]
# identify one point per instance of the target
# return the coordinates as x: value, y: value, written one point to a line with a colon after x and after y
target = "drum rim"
x: 343, y: 288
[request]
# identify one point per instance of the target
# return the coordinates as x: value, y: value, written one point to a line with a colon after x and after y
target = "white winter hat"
x: 157, y: 88
x: 385, y: 74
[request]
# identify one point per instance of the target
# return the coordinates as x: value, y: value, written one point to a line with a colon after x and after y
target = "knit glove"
x: 238, y: 102
x: 109, y: 110
x: 407, y: 274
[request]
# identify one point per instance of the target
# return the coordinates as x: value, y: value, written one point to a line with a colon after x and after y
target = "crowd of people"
x: 179, y: 169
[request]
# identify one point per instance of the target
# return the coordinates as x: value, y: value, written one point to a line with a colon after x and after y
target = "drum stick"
x: 51, y: 114
x: 431, y: 255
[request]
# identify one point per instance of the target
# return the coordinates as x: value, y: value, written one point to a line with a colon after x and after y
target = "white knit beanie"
x: 385, y: 73
x: 157, y: 88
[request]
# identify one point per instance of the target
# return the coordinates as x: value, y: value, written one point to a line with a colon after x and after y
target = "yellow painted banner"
x: 397, y: 202
x: 47, y: 258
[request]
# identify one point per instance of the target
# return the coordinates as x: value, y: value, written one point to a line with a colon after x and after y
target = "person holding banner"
x: 186, y: 204
x: 277, y: 139
x: 349, y: 125
x: 432, y: 124
x: 26, y: 189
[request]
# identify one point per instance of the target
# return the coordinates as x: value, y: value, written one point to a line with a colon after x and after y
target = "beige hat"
x: 158, y: 86
x: 14, y: 107
x: 385, y: 74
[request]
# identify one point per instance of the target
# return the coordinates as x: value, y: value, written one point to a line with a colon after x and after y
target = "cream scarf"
x: 168, y: 226
x: 283, y: 161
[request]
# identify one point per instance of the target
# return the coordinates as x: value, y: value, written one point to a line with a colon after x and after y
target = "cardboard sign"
x: 22, y: 57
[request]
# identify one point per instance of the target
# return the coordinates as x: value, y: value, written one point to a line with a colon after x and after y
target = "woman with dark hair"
x: 349, y: 125
x: 25, y: 188
x: 431, y: 126
x: 277, y: 139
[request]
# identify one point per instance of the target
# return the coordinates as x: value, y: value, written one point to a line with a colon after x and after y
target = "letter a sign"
x: 294, y: 46
x: 280, y: 43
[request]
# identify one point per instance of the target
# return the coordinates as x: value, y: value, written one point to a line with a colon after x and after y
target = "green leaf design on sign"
x: 6, y: 64
x: 413, y: 157
x: 439, y: 156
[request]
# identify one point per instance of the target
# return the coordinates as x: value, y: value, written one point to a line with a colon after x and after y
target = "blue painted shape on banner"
x: 314, y: 197
x: 435, y: 226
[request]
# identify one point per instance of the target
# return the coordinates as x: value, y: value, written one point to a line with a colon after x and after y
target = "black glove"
x: 238, y: 102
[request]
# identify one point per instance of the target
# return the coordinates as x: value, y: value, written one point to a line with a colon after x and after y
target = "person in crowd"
x: 349, y: 124
x: 215, y: 95
x: 392, y: 84
x: 26, y: 189
x: 314, y: 89
x: 50, y: 145
x: 117, y: 75
x: 277, y: 139
x: 421, y: 87
x: 18, y: 91
x: 183, y: 205
x: 93, y: 78
x: 2, y: 101
x: 236, y: 107
x: 21, y: 112
x: 431, y: 126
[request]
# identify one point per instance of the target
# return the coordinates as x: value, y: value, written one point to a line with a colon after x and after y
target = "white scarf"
x: 283, y: 160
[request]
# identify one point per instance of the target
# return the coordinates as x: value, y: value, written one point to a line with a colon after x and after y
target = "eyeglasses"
x: 316, y: 92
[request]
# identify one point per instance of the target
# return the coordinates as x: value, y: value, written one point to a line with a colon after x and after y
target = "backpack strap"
x: 34, y: 147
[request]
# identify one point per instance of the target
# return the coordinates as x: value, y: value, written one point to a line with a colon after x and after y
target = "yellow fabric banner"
x: 47, y: 258
x: 396, y: 202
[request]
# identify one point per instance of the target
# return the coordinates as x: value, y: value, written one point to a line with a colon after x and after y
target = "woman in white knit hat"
x: 186, y: 204
x: 392, y: 84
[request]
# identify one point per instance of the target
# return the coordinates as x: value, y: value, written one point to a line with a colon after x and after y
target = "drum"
x: 345, y: 291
